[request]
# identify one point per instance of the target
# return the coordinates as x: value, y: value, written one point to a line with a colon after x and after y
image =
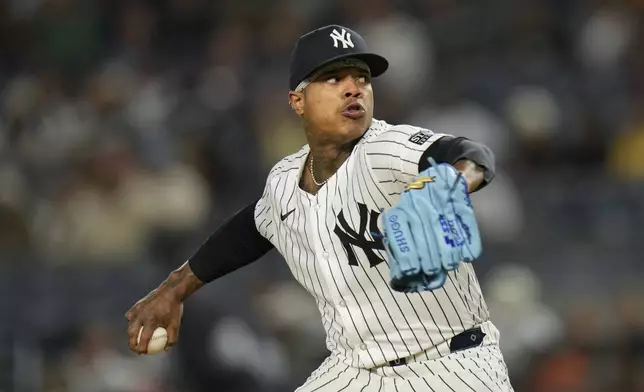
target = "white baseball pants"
x: 479, y: 369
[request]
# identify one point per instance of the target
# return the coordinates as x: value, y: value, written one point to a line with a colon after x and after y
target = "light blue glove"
x: 431, y: 230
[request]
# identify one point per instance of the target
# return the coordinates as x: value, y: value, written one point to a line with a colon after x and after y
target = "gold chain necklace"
x: 313, y: 175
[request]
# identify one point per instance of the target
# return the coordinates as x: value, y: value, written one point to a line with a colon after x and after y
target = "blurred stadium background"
x: 129, y: 129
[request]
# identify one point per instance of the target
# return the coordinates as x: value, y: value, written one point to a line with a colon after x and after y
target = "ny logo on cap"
x: 343, y: 37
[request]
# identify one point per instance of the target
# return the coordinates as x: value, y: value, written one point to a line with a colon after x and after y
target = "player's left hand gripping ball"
x: 431, y: 230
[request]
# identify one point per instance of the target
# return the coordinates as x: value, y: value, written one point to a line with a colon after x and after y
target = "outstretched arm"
x: 235, y: 244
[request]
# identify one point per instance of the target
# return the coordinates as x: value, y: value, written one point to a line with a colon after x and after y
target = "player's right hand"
x: 160, y: 308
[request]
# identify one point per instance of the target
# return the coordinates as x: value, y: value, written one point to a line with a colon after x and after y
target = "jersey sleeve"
x: 394, y: 155
x: 264, y: 211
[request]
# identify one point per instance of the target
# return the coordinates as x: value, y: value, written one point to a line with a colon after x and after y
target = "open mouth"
x: 353, y: 110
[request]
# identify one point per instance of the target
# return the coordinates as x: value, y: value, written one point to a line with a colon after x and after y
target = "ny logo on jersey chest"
x: 351, y: 238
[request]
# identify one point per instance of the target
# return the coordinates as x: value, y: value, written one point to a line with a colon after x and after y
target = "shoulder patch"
x: 420, y: 137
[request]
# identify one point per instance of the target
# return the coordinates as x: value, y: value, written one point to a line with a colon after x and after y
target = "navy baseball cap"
x: 329, y: 44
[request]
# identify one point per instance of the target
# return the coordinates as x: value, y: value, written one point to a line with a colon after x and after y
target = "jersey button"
x: 316, y: 207
x: 325, y: 255
x: 342, y: 304
x: 362, y: 346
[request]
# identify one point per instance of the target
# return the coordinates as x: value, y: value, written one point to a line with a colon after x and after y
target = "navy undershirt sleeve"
x: 450, y: 150
x: 235, y: 244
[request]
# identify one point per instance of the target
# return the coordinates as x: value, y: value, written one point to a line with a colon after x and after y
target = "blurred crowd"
x: 130, y: 129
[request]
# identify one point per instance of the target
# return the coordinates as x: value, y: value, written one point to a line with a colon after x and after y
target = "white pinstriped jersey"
x: 327, y: 241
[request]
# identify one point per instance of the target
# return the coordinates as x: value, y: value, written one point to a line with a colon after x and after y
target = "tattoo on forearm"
x: 177, y: 277
x: 183, y: 281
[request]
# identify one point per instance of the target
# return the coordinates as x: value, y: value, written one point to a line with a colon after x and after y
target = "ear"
x: 296, y: 100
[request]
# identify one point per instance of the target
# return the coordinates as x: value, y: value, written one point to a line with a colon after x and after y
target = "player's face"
x: 339, y: 104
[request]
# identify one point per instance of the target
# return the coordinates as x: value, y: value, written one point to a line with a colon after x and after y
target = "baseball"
x: 157, y: 341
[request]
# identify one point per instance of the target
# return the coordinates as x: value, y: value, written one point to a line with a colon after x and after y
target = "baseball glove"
x: 431, y: 230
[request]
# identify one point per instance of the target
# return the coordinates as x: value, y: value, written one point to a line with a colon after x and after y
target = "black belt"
x: 464, y: 340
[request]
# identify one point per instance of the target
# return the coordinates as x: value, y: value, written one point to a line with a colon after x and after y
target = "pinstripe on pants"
x: 479, y: 369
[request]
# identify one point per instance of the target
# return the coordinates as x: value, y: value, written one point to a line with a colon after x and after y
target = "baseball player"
x: 375, y: 222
